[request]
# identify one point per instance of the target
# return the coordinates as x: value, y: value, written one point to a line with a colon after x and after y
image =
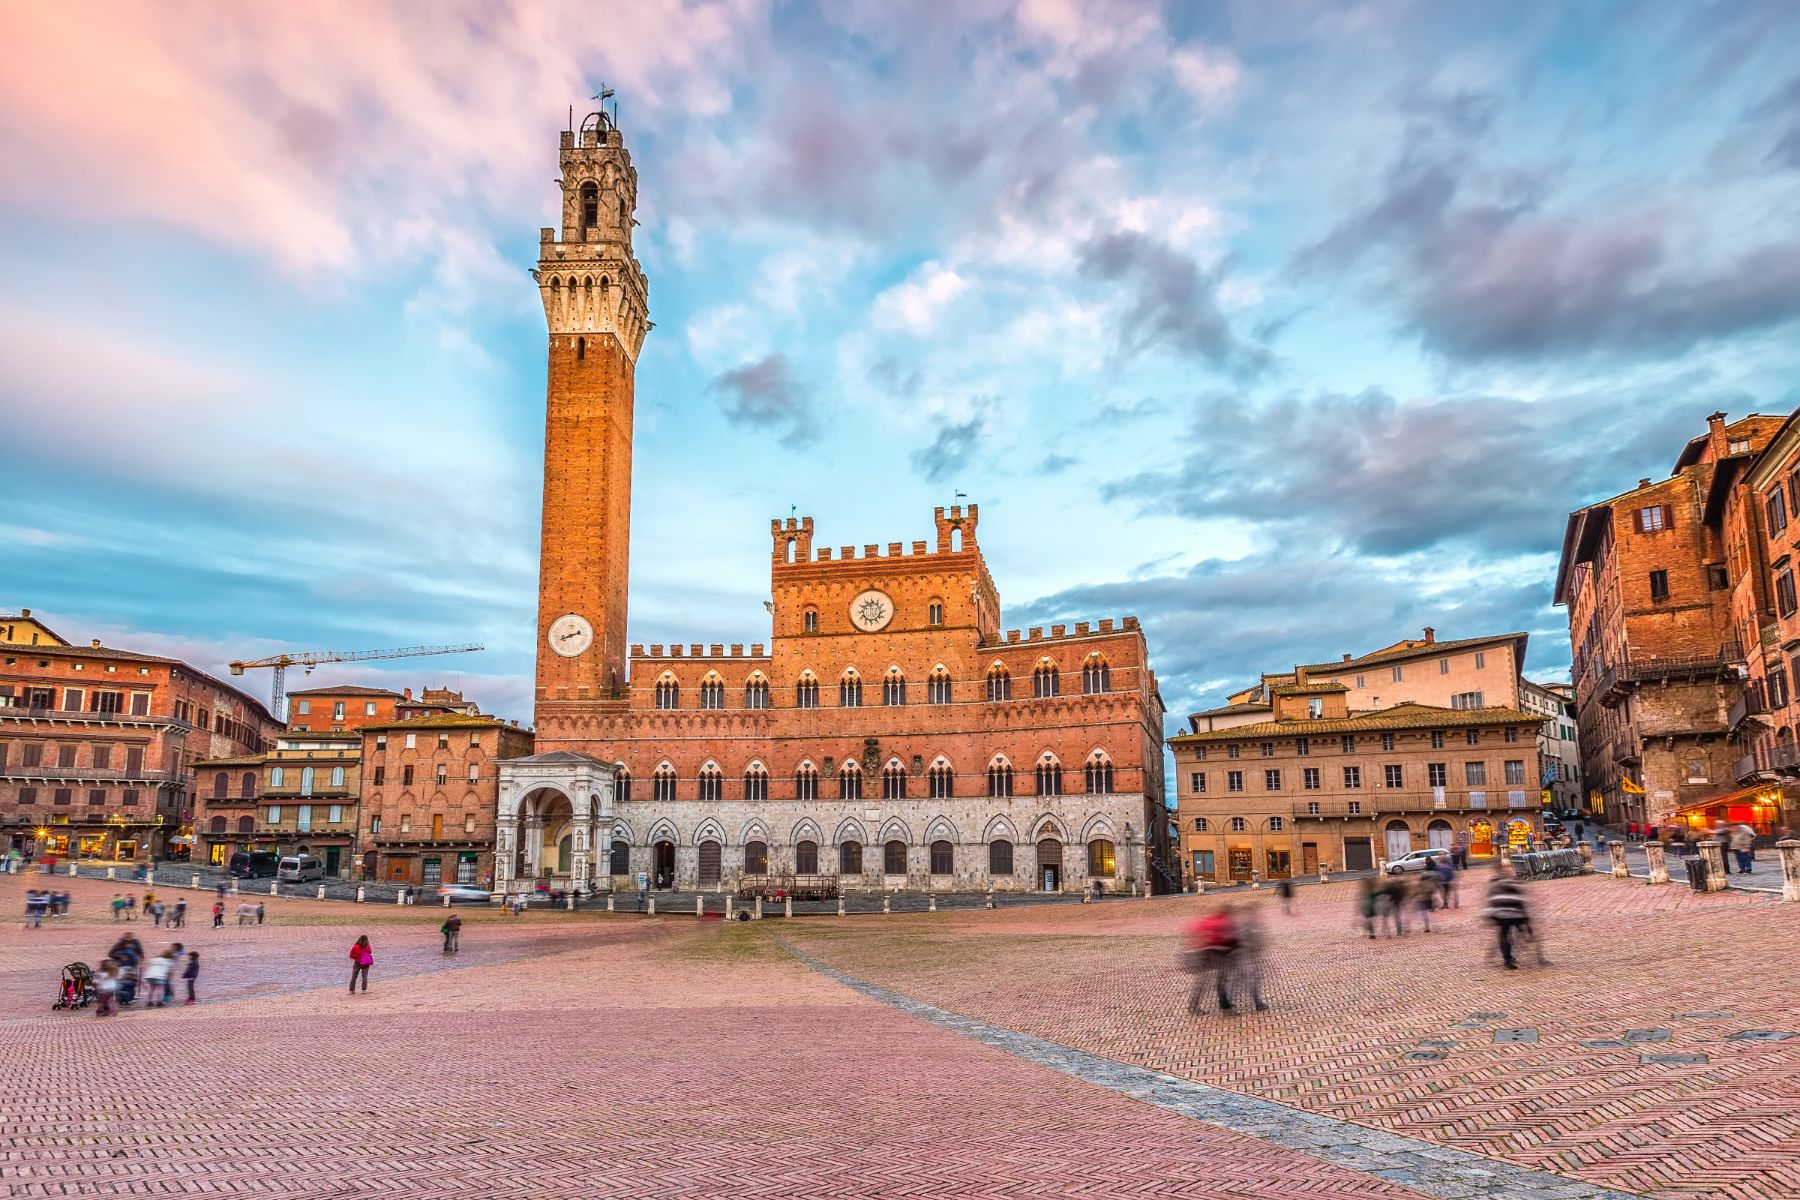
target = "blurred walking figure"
x: 452, y: 931
x: 178, y: 918
x: 1393, y: 903
x: 1506, y: 910
x: 1366, y: 904
x: 36, y: 904
x: 1743, y: 847
x: 1245, y: 964
x: 1212, y: 938
x: 118, y: 906
x: 1425, y: 897
x: 363, y: 956
x: 259, y: 912
x: 156, y: 979
x: 1446, y: 873
x: 106, y: 989
x: 1285, y: 889
x: 191, y: 972
x: 218, y: 914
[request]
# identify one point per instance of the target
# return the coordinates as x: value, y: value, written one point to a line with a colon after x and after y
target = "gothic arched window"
x: 806, y: 692
x: 942, y: 778
x: 663, y: 784
x: 937, y: 687
x: 1000, y: 778
x: 806, y: 858
x: 756, y: 692
x: 668, y: 692
x: 1095, y: 677
x: 893, y: 687
x: 590, y: 205
x: 756, y: 782
x: 1044, y: 682
x: 806, y: 782
x: 850, y: 781
x: 893, y: 781
x: 712, y: 692
x: 999, y: 683
x: 1049, y: 777
x: 850, y: 690
x: 756, y: 858
x: 712, y: 783
x: 1099, y: 773
x: 622, y: 784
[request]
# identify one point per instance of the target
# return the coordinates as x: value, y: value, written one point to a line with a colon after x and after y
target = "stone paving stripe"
x: 1425, y: 1167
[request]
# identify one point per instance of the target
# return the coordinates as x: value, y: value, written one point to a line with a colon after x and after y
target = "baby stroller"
x: 77, y: 989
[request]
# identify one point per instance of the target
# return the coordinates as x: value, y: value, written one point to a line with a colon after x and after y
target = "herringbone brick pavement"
x: 1628, y: 961
x: 566, y: 1057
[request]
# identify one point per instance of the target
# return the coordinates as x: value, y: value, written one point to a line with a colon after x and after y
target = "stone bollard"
x: 990, y: 898
x: 1381, y: 866
x: 1255, y: 880
x: 361, y: 893
x: 275, y: 888
x: 568, y: 900
x: 1714, y: 854
x: 1619, y: 870
x: 1587, y: 858
x: 234, y: 887
x: 609, y: 902
x: 321, y: 891
x: 71, y: 870
x: 400, y: 897
x: 195, y: 884
x: 1324, y: 874
x: 652, y: 908
x: 1659, y: 865
x: 787, y: 906
x: 149, y: 877
x: 756, y: 909
x: 1789, y: 849
x: 111, y: 873
x: 931, y: 904
x: 699, y: 906
x: 884, y: 903
x: 840, y: 905
x: 1199, y: 886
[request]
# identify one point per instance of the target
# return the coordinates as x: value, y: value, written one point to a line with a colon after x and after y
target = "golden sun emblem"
x: 871, y: 610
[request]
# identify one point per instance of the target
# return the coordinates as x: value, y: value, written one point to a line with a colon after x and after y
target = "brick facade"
x: 98, y: 746
x: 887, y: 677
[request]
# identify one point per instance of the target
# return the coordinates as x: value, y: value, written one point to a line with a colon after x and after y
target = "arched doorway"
x: 663, y: 870
x: 1440, y: 836
x: 1399, y: 840
x: 712, y: 855
x: 1049, y: 856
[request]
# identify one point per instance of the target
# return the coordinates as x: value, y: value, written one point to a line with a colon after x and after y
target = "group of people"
x: 1225, y: 956
x: 125, y: 908
x: 41, y: 903
x: 1382, y: 905
x: 124, y: 970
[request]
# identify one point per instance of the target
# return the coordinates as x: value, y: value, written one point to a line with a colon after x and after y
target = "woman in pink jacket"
x: 362, y: 958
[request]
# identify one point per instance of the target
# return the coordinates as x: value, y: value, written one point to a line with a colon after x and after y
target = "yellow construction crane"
x: 313, y: 658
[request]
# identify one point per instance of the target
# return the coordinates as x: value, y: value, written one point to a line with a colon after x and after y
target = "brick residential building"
x: 98, y: 744
x: 429, y: 796
x: 1662, y: 584
x: 890, y: 734
x: 1315, y: 783
x: 1559, y: 750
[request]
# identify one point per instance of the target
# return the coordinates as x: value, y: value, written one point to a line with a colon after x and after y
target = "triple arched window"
x: 806, y: 782
x: 1000, y: 778
x: 622, y: 785
x: 1049, y: 777
x: 893, y: 687
x: 668, y: 692
x: 806, y: 692
x: 999, y: 683
x: 850, y: 781
x: 1099, y: 775
x: 1044, y: 681
x: 942, y: 780
x: 893, y: 782
x: 712, y: 692
x: 937, y: 687
x: 1094, y: 675
x: 712, y: 783
x: 756, y: 692
x: 663, y: 783
x: 850, y: 690
x: 756, y: 782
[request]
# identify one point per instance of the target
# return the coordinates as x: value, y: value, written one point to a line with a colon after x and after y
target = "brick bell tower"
x: 596, y: 303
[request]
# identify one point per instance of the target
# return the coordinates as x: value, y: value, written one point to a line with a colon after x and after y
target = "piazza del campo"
x: 1165, y: 889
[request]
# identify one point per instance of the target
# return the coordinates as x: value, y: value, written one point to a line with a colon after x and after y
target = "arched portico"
x: 552, y: 810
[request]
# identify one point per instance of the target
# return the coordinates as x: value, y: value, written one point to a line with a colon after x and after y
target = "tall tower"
x: 596, y: 303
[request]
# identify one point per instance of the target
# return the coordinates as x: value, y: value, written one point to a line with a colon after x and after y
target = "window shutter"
x: 1637, y: 520
x: 1668, y: 511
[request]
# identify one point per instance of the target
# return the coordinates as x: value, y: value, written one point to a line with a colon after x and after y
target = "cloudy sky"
x: 1290, y: 328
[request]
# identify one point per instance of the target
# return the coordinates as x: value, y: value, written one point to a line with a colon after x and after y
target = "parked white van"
x: 299, y: 869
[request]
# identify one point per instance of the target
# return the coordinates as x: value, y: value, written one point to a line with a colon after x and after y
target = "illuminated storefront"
x: 1762, y: 808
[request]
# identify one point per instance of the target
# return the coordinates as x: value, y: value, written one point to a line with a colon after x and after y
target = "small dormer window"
x: 1315, y: 708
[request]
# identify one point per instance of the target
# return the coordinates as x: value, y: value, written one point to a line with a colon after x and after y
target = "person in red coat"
x: 362, y: 957
x: 1211, y: 938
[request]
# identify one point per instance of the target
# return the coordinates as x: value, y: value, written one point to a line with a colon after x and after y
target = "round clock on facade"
x: 871, y: 611
x: 570, y: 635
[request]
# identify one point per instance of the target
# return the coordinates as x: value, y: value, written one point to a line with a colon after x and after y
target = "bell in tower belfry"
x: 596, y: 307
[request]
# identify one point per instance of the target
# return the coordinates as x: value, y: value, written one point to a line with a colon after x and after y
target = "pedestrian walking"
x: 1393, y: 904
x: 1285, y: 890
x: 452, y: 931
x: 118, y: 907
x: 221, y: 889
x: 259, y: 912
x: 1245, y: 963
x: 218, y: 914
x: 190, y: 973
x: 106, y: 989
x: 1424, y: 897
x: 1366, y: 905
x: 36, y: 904
x: 178, y: 918
x: 156, y: 979
x: 246, y: 912
x: 1211, y: 940
x: 1743, y: 847
x: 362, y: 957
x: 1506, y: 911
x: 131, y: 909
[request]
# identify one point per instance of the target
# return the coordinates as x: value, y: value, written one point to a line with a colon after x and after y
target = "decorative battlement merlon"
x: 657, y: 651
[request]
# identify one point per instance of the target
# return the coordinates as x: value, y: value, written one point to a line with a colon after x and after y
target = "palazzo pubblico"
x: 889, y: 736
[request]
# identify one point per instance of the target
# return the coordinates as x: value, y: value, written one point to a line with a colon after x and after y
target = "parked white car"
x: 1417, y: 860
x: 462, y: 893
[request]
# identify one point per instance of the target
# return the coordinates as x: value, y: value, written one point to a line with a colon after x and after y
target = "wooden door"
x: 1309, y: 858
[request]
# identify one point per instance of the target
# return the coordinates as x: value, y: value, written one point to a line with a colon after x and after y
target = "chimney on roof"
x: 406, y: 692
x: 1430, y: 635
x: 1644, y: 482
x: 24, y: 612
x: 1715, y: 435
x: 1346, y: 656
x: 1715, y: 421
x: 95, y: 643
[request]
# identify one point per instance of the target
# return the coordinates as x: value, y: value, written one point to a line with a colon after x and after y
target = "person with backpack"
x: 362, y: 957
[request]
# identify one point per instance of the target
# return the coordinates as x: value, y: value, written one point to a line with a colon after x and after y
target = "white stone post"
x: 931, y: 903
x: 1255, y: 880
x: 1789, y: 849
x: 1381, y: 865
x: 400, y: 896
x: 321, y: 891
x: 609, y: 902
x: 1659, y: 865
x: 234, y: 887
x: 71, y: 870
x: 1324, y: 873
x: 275, y: 888
x: 652, y: 909
x: 360, y: 893
x: 841, y: 904
x: 149, y: 876
x: 756, y: 909
x: 884, y: 903
x: 1619, y: 869
x: 196, y: 883
x: 1714, y: 854
x: 699, y: 906
x: 787, y: 906
x: 110, y: 873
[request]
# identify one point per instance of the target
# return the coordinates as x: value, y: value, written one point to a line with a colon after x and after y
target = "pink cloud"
x: 305, y: 131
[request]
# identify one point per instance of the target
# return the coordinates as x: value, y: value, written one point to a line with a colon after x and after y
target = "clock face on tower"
x: 570, y: 635
x: 871, y: 611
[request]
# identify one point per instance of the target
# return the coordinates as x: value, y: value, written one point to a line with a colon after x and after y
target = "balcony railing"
x: 1745, y: 768
x: 1615, y: 677
x: 287, y: 830
x: 1625, y: 749
x: 1785, y: 756
x: 1388, y: 804
x: 1752, y: 703
x: 37, y: 712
